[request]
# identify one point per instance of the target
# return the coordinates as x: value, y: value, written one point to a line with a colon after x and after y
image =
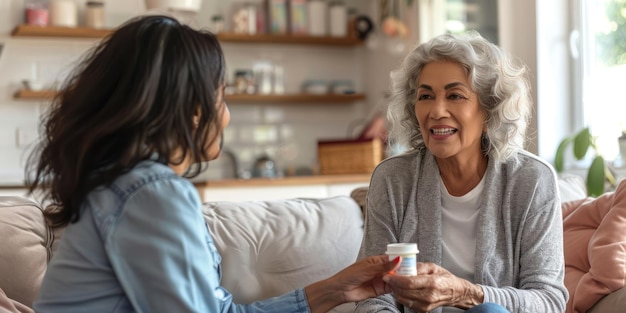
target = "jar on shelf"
x: 317, y: 17
x: 94, y: 14
x: 217, y: 24
x: 244, y: 82
x: 63, y: 13
x: 36, y: 14
x: 338, y: 14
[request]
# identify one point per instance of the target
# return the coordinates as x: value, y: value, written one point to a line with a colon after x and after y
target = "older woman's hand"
x: 434, y: 286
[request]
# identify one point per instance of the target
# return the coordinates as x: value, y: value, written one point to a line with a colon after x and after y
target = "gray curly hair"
x: 499, y: 81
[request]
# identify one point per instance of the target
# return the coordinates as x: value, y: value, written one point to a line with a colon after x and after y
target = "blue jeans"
x: 488, y: 308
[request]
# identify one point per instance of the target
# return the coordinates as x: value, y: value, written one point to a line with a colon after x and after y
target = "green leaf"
x: 560, y: 154
x: 581, y: 143
x: 595, y: 177
x: 409, y: 2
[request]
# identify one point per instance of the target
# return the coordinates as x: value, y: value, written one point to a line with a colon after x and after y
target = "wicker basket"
x: 349, y: 156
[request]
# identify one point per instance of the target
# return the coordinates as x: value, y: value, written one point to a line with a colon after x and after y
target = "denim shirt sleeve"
x: 165, y: 258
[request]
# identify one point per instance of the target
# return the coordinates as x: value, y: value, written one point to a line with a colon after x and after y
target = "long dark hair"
x: 131, y: 98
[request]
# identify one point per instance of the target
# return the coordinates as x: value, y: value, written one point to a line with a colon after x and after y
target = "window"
x: 599, y: 51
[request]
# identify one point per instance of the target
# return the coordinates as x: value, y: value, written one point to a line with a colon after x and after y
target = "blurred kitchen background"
x: 279, y: 135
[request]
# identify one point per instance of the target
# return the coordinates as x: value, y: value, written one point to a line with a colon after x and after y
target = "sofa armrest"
x: 25, y: 248
x: 612, y: 303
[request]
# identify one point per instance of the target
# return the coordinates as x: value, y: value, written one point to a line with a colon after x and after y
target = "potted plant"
x: 598, y: 172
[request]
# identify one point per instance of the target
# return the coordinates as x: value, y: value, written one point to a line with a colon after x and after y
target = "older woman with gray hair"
x: 484, y: 213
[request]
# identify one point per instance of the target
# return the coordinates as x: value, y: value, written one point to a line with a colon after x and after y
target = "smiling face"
x: 449, y: 114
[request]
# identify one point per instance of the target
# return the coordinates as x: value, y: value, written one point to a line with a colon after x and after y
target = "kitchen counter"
x: 287, y: 181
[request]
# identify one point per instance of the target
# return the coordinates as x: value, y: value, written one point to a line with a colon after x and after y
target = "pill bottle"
x: 408, y: 252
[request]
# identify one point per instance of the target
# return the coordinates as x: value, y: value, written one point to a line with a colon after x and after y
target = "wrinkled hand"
x: 433, y: 287
x: 364, y: 279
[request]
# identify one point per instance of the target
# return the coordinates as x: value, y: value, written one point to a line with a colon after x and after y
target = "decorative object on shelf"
x: 94, y: 14
x: 351, y: 156
x: 297, y: 17
x: 245, y: 18
x: 33, y: 85
x: 264, y: 167
x: 598, y: 173
x: 277, y: 16
x: 317, y: 17
x: 217, y: 24
x: 391, y: 23
x: 184, y: 11
x: 392, y: 31
x: 342, y: 87
x: 63, y: 13
x: 174, y: 5
x: 363, y: 26
x: 37, y: 14
x: 338, y: 19
x: 315, y: 87
x: 244, y: 82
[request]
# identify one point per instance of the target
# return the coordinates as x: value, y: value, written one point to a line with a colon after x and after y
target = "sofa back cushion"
x: 594, y: 235
x: 25, y: 243
x: 271, y: 247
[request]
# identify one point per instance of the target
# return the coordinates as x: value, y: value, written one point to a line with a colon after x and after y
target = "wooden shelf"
x: 290, y: 39
x: 295, y: 98
x: 25, y: 30
x: 25, y: 94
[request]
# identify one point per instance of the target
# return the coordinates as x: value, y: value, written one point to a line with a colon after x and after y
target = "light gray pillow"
x: 25, y: 242
x: 272, y: 247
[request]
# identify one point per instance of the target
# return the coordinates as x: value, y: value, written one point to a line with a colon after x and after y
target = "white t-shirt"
x: 459, y: 218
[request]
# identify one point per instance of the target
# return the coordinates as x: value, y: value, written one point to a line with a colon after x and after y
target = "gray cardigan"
x: 519, y: 250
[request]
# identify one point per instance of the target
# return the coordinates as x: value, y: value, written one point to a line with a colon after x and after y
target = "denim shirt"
x: 142, y: 245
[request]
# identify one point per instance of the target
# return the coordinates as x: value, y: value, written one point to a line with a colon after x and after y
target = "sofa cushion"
x: 612, y: 303
x: 271, y: 247
x: 24, y: 246
x: 571, y: 187
x: 595, y: 247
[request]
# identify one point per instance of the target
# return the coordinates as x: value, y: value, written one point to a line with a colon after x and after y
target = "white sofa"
x: 267, y: 247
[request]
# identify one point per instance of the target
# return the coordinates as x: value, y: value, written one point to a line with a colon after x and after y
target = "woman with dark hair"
x: 484, y: 213
x: 142, y: 108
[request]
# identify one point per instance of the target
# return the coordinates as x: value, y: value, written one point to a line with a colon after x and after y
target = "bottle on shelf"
x: 94, y: 14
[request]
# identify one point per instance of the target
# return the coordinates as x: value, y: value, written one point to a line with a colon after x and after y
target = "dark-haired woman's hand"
x: 359, y: 281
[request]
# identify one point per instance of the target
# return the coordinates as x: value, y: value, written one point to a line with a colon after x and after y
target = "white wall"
x: 517, y: 31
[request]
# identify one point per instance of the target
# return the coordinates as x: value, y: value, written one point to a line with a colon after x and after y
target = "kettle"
x: 264, y: 167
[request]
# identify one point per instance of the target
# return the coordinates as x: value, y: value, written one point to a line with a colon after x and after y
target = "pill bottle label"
x: 408, y: 266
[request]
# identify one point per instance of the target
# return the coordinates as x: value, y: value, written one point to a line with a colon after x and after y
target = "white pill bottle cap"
x: 408, y: 252
x: 402, y: 248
